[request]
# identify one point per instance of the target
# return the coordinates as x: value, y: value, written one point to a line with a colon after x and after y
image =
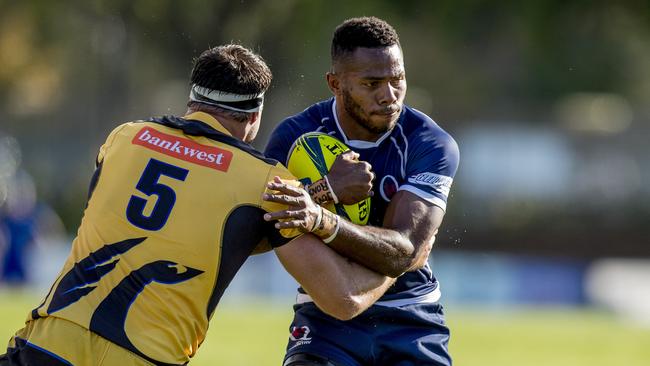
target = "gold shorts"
x: 67, y: 343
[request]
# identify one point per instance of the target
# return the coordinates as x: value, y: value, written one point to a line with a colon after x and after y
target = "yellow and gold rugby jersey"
x: 174, y: 210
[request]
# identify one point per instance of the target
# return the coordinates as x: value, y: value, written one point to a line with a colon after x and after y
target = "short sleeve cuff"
x: 431, y: 198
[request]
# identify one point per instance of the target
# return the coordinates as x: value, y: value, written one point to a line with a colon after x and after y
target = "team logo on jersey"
x: 300, y: 334
x: 184, y: 149
x: 84, y: 277
x: 388, y: 187
x: 440, y: 183
x: 109, y: 317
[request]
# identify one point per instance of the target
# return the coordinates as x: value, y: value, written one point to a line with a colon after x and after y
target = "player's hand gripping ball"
x: 311, y: 157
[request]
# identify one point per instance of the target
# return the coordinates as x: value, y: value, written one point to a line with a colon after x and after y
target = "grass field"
x: 256, y: 335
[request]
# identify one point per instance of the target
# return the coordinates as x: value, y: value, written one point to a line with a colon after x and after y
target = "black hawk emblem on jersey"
x: 109, y: 317
x: 85, y: 274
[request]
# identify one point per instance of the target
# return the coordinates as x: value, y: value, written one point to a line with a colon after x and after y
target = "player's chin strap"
x: 248, y: 103
x: 326, y: 226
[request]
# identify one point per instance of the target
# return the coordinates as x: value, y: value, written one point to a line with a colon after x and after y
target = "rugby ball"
x: 311, y: 157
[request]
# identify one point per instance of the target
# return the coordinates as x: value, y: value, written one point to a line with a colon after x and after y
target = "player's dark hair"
x: 367, y: 32
x: 231, y: 68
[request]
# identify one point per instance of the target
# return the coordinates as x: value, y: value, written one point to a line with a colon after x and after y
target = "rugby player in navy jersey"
x: 407, y: 163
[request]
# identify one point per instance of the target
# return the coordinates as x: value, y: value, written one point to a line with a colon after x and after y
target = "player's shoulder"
x: 180, y: 136
x: 419, y: 128
x: 313, y: 118
x: 134, y: 127
x: 128, y: 127
x: 123, y: 131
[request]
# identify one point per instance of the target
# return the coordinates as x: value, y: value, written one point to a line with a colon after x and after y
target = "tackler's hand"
x: 302, y: 213
x: 351, y: 179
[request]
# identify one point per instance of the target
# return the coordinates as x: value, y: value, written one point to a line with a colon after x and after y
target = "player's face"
x: 372, y: 87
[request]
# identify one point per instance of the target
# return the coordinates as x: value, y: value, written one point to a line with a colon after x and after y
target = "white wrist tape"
x: 336, y: 231
x: 319, y: 218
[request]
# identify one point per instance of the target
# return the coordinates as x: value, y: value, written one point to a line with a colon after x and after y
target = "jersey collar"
x: 209, y: 120
x: 358, y: 144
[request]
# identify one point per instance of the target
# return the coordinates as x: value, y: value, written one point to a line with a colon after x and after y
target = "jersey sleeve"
x: 285, y: 235
x: 107, y: 144
x: 103, y: 150
x: 431, y: 166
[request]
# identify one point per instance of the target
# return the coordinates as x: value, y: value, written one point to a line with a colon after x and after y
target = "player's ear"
x: 333, y: 82
x: 254, y: 117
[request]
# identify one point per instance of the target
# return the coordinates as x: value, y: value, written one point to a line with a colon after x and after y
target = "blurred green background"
x: 548, y: 100
x: 256, y: 335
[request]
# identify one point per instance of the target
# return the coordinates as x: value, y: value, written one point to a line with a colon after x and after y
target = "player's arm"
x: 403, y: 244
x: 263, y: 247
x: 339, y: 287
x: 404, y: 241
x: 349, y: 180
x: 414, y: 214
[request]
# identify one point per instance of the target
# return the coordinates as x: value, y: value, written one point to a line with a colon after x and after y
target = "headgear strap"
x: 235, y: 102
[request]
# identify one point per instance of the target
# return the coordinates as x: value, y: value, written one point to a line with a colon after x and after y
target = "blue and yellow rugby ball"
x: 311, y: 157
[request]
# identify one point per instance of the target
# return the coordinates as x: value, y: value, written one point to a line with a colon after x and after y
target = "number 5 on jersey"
x: 149, y: 185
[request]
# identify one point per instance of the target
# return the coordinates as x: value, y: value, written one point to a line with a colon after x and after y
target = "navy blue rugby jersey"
x: 416, y: 155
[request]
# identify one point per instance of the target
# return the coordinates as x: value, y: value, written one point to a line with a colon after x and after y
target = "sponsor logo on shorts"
x: 184, y: 149
x: 440, y: 183
x: 300, y: 335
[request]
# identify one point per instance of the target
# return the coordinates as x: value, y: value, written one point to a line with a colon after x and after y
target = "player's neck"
x: 354, y: 130
x: 235, y: 128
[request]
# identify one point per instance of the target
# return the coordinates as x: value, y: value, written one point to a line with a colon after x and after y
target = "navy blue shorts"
x: 407, y: 335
